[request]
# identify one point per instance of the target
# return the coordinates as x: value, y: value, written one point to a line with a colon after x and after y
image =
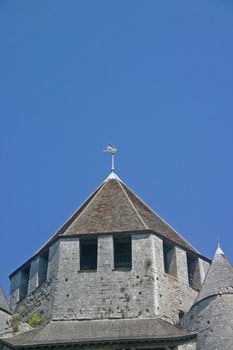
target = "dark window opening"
x: 88, y: 254
x: 193, y: 271
x: 122, y: 253
x: 43, y: 268
x: 169, y: 258
x: 24, y: 280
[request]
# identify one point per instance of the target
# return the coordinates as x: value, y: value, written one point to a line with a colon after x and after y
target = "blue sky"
x: 155, y: 78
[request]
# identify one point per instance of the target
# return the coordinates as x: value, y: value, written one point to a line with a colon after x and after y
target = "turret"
x: 5, y: 314
x: 10, y: 324
x: 212, y: 314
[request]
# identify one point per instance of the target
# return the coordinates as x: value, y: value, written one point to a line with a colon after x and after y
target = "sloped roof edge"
x: 55, y: 239
x: 219, y: 277
x: 99, y: 332
x: 130, y: 196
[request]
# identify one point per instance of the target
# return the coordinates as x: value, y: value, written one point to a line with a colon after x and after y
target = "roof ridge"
x: 164, y: 221
x: 133, y: 206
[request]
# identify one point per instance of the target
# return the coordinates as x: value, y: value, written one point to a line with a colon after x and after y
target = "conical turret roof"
x: 114, y: 208
x: 219, y: 278
x: 3, y: 303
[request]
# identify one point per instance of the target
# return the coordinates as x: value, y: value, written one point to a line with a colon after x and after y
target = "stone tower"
x: 115, y: 275
x: 114, y: 258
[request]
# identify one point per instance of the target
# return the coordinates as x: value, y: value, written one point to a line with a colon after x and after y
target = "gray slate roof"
x: 114, y: 208
x: 219, y: 278
x: 3, y: 303
x: 101, y: 331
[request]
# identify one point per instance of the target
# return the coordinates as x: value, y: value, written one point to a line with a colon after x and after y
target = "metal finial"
x: 111, y: 149
x: 218, y: 250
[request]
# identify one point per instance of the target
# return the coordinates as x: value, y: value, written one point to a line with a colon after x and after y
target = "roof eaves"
x: 105, y: 341
x: 60, y: 230
x: 165, y: 222
x: 55, y: 238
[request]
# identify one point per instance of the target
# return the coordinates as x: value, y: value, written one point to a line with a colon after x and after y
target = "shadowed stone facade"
x: 116, y: 271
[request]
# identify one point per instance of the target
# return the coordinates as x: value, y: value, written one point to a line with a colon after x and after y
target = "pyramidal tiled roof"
x: 219, y: 278
x: 3, y: 302
x: 114, y: 208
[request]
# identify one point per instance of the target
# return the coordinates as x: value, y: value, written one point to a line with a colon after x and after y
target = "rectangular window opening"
x: 43, y: 268
x: 169, y: 257
x: 88, y: 254
x: 122, y: 252
x: 24, y: 280
x: 193, y: 271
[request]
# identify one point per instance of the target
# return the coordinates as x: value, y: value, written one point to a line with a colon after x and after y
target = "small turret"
x: 5, y: 314
x: 10, y: 324
x: 212, y: 314
x: 219, y: 279
x: 3, y: 303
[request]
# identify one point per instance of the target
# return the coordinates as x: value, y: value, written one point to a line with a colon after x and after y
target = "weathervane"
x: 111, y: 149
x: 219, y: 249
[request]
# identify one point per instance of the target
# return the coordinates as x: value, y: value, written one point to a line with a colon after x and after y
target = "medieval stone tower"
x: 116, y: 275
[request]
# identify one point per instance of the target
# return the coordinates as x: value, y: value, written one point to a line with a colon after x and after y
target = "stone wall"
x: 174, y: 295
x: 143, y: 291
x: 40, y: 299
x: 106, y: 293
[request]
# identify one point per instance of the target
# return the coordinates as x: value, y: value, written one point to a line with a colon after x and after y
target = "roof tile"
x: 115, y: 208
x: 219, y: 278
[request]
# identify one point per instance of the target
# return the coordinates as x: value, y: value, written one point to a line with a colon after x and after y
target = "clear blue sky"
x: 155, y: 78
